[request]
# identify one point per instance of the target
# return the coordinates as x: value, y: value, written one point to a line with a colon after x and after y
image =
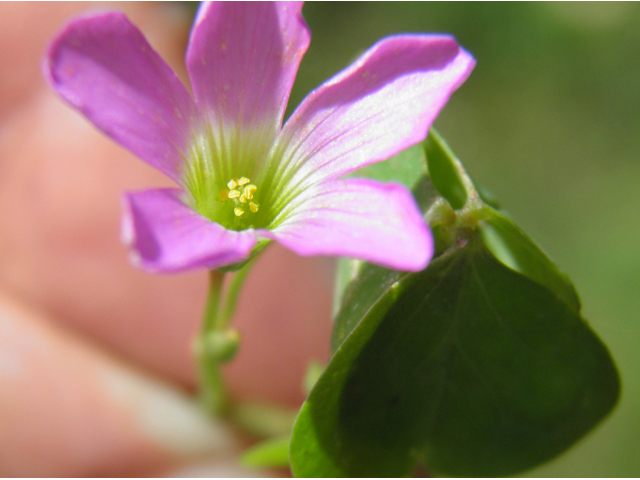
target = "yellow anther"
x: 240, y: 196
x: 249, y: 190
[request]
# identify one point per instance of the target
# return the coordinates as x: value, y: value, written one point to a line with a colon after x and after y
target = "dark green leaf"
x: 474, y: 369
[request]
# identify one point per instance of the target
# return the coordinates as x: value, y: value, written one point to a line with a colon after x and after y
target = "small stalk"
x: 218, y: 344
x: 212, y: 388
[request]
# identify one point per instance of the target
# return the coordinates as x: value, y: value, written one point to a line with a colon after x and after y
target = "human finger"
x: 69, y: 409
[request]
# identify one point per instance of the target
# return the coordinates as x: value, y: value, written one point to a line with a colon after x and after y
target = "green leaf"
x: 371, y: 294
x: 446, y: 171
x: 503, y: 238
x: 346, y: 271
x: 473, y: 369
x: 272, y: 453
x: 516, y: 250
x: 407, y: 168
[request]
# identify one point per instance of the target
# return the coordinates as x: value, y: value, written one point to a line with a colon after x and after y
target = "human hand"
x: 95, y: 356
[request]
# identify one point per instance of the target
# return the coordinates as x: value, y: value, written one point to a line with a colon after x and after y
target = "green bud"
x: 220, y: 346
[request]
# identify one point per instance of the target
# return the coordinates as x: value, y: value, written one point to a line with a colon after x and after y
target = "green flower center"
x: 217, y: 177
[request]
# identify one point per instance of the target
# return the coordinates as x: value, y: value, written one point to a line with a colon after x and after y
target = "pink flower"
x: 245, y: 179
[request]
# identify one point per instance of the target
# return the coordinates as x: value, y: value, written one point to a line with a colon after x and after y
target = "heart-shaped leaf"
x: 471, y: 369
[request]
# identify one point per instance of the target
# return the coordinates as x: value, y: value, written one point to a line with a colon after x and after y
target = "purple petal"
x: 104, y: 67
x: 381, y: 105
x: 242, y: 61
x: 166, y: 235
x: 358, y: 218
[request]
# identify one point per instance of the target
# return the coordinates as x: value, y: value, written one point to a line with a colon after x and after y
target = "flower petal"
x: 360, y: 218
x: 381, y: 105
x: 165, y: 235
x: 104, y: 67
x: 242, y: 61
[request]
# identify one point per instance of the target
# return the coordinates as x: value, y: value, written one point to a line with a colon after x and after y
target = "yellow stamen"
x: 249, y: 190
x: 241, y: 196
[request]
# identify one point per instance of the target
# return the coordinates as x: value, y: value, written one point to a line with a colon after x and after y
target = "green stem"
x: 232, y: 295
x: 217, y: 343
x: 214, y: 297
x: 212, y: 388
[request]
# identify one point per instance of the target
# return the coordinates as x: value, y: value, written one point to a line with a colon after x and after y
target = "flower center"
x: 217, y: 176
x: 241, y: 192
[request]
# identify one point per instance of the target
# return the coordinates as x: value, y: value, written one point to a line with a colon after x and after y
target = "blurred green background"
x: 549, y: 122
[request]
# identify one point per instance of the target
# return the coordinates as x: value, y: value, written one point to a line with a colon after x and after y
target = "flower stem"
x: 212, y: 388
x: 233, y: 293
x: 214, y: 297
x: 217, y: 343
